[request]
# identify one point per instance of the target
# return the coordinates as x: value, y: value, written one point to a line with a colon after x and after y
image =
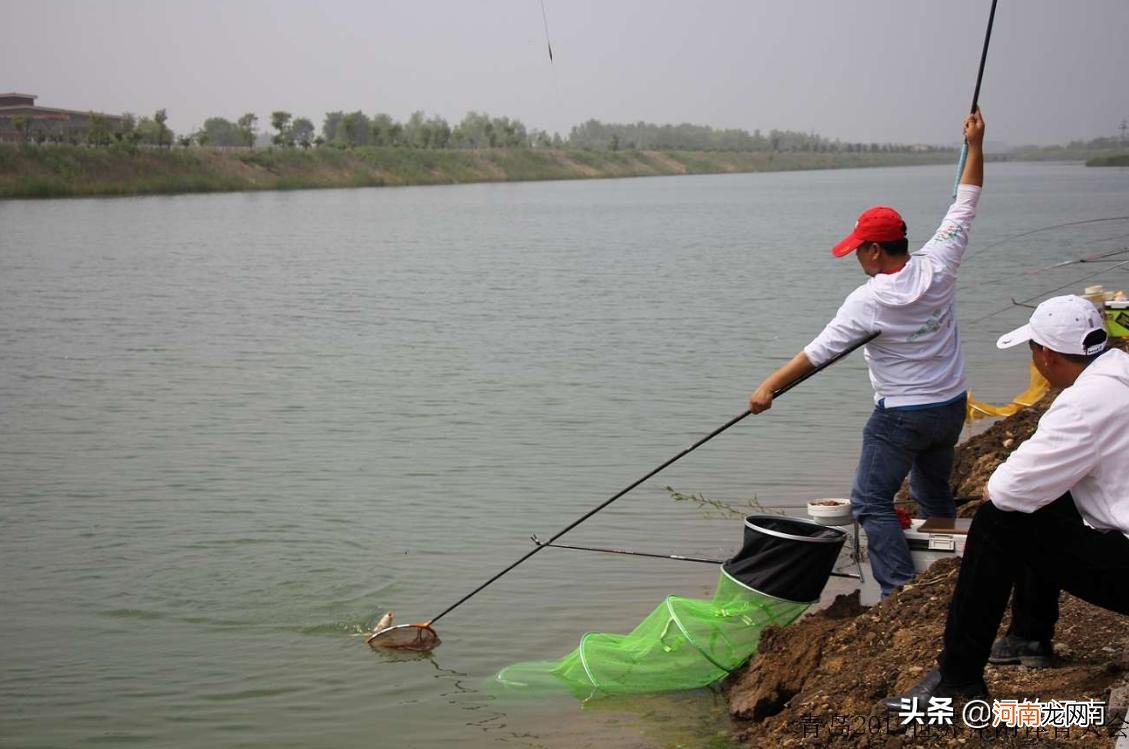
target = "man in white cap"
x: 1057, y: 515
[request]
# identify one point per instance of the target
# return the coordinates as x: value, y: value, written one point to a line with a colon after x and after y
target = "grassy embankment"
x: 1118, y: 159
x: 71, y: 171
x: 1091, y: 155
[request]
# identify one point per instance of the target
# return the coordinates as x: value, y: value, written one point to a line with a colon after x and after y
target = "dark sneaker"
x: 932, y: 686
x: 1010, y: 649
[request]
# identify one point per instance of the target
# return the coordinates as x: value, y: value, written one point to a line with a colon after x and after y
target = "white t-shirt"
x: 917, y: 359
x: 1081, y: 447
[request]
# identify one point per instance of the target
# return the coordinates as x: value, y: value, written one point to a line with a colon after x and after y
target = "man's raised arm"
x: 974, y: 136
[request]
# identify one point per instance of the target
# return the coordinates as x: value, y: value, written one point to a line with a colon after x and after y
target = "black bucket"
x: 786, y: 557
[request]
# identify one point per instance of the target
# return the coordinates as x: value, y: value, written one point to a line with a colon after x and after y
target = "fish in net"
x: 418, y: 637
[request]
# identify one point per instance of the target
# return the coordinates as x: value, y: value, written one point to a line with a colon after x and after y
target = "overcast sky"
x: 859, y: 70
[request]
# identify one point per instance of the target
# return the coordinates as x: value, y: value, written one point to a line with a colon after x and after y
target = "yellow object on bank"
x: 1036, y: 389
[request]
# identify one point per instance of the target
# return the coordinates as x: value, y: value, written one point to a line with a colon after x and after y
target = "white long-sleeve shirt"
x: 1080, y: 446
x: 917, y: 359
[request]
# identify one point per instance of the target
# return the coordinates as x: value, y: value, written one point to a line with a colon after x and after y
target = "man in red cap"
x: 916, y: 365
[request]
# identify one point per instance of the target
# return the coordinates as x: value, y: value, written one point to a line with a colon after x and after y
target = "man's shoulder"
x: 1102, y: 388
x: 860, y: 301
x: 1115, y: 357
x: 1109, y: 369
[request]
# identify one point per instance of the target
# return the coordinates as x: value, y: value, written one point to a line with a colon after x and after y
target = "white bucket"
x: 831, y: 511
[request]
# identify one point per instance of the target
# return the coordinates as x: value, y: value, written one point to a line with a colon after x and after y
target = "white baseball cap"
x: 1062, y: 324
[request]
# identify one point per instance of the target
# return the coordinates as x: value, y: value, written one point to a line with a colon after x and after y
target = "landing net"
x: 686, y: 643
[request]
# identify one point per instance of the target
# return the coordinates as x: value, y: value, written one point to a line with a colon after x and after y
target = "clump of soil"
x: 818, y: 682
x: 977, y: 458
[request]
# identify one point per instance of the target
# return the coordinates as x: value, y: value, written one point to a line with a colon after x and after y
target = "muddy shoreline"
x: 817, y: 682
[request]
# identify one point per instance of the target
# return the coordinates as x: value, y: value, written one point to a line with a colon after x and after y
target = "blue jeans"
x: 896, y: 442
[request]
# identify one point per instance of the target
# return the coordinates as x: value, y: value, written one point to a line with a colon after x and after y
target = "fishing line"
x: 1105, y: 257
x: 1076, y: 281
x: 998, y: 242
x: 557, y: 104
x: 650, y: 555
x: 676, y: 557
x: 1109, y: 238
x: 1102, y: 258
x: 1088, y: 259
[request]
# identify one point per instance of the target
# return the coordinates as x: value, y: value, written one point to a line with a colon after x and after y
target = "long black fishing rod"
x: 776, y: 394
x: 983, y: 58
x: 975, y: 94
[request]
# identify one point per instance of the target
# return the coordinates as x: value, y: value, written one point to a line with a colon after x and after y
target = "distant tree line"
x: 1105, y: 150
x: 476, y: 130
x: 216, y: 131
x: 92, y: 129
x: 1104, y: 143
x: 686, y: 137
x: 354, y: 129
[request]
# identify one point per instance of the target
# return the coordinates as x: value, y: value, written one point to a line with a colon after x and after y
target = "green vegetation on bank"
x: 142, y: 156
x: 1104, y: 151
x: 1116, y: 159
x: 68, y: 171
x: 136, y: 156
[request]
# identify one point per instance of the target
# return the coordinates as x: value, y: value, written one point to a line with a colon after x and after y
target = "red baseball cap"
x: 877, y: 224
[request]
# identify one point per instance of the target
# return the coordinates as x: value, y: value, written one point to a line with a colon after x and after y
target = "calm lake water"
x: 235, y: 429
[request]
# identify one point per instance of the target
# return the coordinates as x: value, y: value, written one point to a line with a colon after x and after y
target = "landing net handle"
x: 776, y: 394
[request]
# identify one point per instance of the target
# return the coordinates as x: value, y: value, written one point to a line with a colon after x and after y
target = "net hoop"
x: 419, y: 637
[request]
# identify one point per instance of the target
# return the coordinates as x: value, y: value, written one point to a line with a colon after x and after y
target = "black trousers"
x: 1037, y: 555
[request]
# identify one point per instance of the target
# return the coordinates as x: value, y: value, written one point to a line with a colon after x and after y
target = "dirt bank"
x: 817, y: 682
x: 70, y: 171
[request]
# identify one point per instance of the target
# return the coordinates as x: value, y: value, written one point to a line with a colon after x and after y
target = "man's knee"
x: 999, y: 529
x: 868, y: 508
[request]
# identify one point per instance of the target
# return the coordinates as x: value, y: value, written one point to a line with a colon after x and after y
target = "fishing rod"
x: 423, y: 637
x: 1104, y: 257
x: 975, y: 96
x: 674, y: 557
x: 545, y: 20
x: 1076, y: 281
x: 1095, y: 258
x: 1004, y: 240
x: 1101, y: 258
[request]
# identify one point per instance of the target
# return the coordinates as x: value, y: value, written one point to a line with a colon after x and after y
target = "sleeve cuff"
x: 812, y: 353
